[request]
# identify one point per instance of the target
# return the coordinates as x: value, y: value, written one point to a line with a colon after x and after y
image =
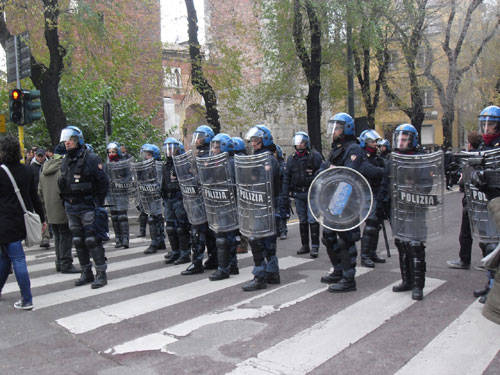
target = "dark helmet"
x: 405, y: 130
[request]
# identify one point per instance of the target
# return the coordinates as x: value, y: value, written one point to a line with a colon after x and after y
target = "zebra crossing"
x: 149, y: 309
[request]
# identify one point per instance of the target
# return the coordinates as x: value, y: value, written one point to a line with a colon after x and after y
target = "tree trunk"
x: 198, y: 80
x: 314, y: 116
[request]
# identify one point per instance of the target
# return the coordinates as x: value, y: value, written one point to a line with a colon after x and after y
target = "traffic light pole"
x: 16, y: 53
x: 20, y: 130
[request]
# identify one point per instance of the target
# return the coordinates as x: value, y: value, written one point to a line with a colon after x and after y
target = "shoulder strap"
x: 16, y: 189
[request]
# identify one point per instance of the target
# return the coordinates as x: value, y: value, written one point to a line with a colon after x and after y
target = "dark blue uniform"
x: 83, y: 185
x: 301, y: 169
x: 178, y: 227
x: 341, y: 246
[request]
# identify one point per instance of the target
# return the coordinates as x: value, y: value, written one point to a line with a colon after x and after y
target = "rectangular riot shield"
x: 218, y: 190
x: 482, y: 225
x: 254, y: 184
x: 121, y: 185
x: 417, y: 184
x: 148, y: 182
x: 187, y: 175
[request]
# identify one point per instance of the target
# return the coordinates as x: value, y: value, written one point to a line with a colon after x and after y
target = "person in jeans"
x: 12, y: 228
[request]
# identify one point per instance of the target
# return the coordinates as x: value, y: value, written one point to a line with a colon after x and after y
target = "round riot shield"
x: 340, y: 199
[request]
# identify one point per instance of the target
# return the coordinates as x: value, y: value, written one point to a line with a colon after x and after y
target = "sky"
x: 174, y: 21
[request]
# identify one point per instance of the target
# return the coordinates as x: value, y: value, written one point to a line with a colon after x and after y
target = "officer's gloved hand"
x: 479, y: 179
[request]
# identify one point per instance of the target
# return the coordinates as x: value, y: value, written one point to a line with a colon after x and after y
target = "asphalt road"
x: 151, y: 320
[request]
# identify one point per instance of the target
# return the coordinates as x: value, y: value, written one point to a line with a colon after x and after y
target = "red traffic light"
x: 16, y: 94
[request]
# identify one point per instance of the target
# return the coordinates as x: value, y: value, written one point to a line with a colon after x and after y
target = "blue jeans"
x: 13, y: 252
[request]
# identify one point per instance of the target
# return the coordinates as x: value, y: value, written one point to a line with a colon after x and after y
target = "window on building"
x: 428, y: 97
x: 427, y: 131
x: 423, y: 57
x: 172, y: 77
x: 170, y: 117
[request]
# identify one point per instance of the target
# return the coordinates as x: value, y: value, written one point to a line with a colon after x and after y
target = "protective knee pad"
x: 401, y: 245
x: 90, y: 242
x: 329, y: 239
x: 221, y: 242
x: 170, y: 229
x: 78, y: 242
x: 122, y: 217
x: 418, y: 250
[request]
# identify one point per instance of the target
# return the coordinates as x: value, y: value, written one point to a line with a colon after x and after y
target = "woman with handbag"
x: 14, y: 206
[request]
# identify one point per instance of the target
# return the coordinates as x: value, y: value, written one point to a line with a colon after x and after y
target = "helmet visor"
x: 489, y: 126
x: 403, y: 140
x: 215, y: 148
x: 66, y: 135
x: 198, y: 139
x: 169, y: 149
x: 300, y: 140
x: 334, y: 125
x: 254, y: 134
x: 371, y: 137
x: 146, y: 155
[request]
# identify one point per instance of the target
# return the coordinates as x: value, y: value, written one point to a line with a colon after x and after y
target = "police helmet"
x: 342, y: 120
x: 368, y: 136
x: 239, y: 144
x: 114, y: 146
x: 260, y: 131
x: 221, y: 142
x: 153, y: 149
x: 405, y: 137
x: 172, y: 147
x: 301, y: 137
x: 384, y: 142
x: 203, y: 133
x: 72, y: 131
x: 489, y: 116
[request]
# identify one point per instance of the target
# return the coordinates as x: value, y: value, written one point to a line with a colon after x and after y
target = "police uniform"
x: 83, y: 185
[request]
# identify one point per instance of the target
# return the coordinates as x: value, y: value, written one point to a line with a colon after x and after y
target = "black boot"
x: 151, y: 249
x: 419, y: 268
x: 124, y: 228
x: 143, y: 220
x: 482, y: 292
x: 366, y: 252
x: 101, y: 278
x: 405, y: 267
x: 314, y: 240
x: 117, y: 229
x: 344, y: 285
x: 193, y: 269
x: 332, y: 277
x: 273, y: 278
x: 218, y: 275
x: 70, y: 269
x: 86, y: 276
x: 234, y: 270
x: 254, y: 284
x: 210, y: 263
x: 183, y: 259
x: 304, y: 238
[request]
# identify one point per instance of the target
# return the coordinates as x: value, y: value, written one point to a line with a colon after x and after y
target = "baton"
x: 385, y: 239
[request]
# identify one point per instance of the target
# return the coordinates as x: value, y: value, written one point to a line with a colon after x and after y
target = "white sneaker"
x: 21, y: 305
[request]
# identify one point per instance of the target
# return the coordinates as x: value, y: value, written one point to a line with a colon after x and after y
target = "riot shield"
x: 121, y: 185
x: 254, y: 184
x: 185, y: 169
x: 218, y: 192
x: 148, y: 183
x: 482, y: 224
x: 340, y: 198
x: 417, y: 185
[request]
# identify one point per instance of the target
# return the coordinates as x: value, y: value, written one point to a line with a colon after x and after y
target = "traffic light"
x: 31, y: 106
x: 16, y: 106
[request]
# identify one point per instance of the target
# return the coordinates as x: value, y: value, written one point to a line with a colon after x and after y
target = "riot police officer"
x: 83, y: 185
x: 375, y: 175
x: 201, y: 235
x: 411, y: 253
x: 341, y: 246
x: 301, y: 168
x: 118, y: 202
x: 384, y: 148
x: 283, y: 213
x: 155, y: 221
x: 224, y: 212
x: 489, y: 128
x: 266, y: 269
x: 239, y: 148
x: 178, y: 227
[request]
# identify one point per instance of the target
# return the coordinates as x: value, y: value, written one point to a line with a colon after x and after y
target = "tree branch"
x: 298, y: 38
x: 468, y: 16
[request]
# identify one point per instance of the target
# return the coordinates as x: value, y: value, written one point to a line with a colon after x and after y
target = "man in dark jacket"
x: 83, y: 186
x: 12, y: 227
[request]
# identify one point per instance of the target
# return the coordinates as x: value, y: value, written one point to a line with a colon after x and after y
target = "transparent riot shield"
x: 482, y: 224
x: 148, y: 182
x: 219, y: 194
x: 340, y: 198
x: 254, y: 184
x: 121, y: 185
x: 187, y: 174
x: 417, y: 185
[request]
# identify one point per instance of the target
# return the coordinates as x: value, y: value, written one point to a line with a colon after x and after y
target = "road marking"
x: 115, y: 313
x: 74, y: 294
x: 315, y: 345
x: 60, y: 277
x: 160, y: 340
x: 466, y: 346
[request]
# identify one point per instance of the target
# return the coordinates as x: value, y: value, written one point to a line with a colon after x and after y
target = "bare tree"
x: 46, y: 79
x: 199, y: 81
x: 311, y: 64
x: 456, y: 71
x: 408, y: 20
